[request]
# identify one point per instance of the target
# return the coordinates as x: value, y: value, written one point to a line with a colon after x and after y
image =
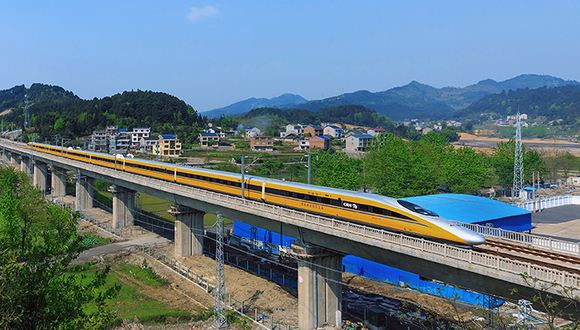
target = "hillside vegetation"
x: 56, y: 111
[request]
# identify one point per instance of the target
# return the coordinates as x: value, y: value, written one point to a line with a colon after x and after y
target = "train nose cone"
x: 475, y: 239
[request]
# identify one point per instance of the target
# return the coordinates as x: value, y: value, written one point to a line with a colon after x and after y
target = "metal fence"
x: 535, y: 241
x: 549, y: 203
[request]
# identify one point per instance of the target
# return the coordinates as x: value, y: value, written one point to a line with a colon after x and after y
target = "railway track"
x: 528, y: 254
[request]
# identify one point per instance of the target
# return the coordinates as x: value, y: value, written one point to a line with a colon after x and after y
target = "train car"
x: 363, y: 208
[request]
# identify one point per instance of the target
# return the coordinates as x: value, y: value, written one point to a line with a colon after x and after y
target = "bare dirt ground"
x: 485, y: 144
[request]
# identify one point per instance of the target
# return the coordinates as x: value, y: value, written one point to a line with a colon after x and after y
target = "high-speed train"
x: 362, y: 208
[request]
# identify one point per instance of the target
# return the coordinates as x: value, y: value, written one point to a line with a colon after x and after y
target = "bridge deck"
x: 347, y: 234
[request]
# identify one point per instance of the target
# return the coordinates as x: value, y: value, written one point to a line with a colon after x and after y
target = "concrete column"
x: 15, y: 161
x: 123, y: 206
x: 188, y: 230
x: 39, y: 175
x: 5, y: 159
x: 25, y: 165
x: 58, y: 182
x: 319, y: 287
x: 87, y: 191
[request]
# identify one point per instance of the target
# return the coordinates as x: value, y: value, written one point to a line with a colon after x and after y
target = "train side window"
x: 325, y: 200
x: 399, y: 215
x: 312, y: 198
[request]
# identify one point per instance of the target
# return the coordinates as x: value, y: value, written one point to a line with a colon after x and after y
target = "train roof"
x: 467, y: 208
x: 305, y: 186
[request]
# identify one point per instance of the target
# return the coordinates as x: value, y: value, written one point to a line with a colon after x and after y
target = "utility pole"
x: 26, y: 113
x: 518, y: 161
x: 308, y: 168
x: 243, y: 170
x: 157, y: 149
x: 219, y: 315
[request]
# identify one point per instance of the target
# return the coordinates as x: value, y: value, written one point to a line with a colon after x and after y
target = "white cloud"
x: 200, y: 14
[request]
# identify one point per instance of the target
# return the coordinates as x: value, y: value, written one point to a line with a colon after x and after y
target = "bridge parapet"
x: 477, y: 263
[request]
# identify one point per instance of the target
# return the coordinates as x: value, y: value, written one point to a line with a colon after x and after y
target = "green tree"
x: 38, y: 241
x: 450, y: 134
x: 502, y: 160
x: 336, y: 170
x: 400, y: 168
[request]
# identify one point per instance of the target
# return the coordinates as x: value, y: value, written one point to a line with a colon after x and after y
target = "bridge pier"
x: 15, y: 161
x: 319, y: 287
x: 58, y: 184
x: 5, y: 159
x: 188, y: 230
x: 39, y: 175
x: 123, y: 206
x: 85, y: 189
x: 25, y: 164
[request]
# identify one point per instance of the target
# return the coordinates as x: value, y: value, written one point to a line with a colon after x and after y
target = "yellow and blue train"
x: 363, y: 208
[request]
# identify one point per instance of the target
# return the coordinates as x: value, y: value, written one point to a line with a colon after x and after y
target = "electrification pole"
x: 518, y: 161
x: 219, y: 315
x: 243, y: 177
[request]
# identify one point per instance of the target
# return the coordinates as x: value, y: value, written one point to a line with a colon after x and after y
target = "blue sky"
x: 212, y: 54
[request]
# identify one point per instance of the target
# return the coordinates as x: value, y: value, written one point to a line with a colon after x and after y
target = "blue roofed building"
x: 457, y: 207
x: 333, y: 131
x: 476, y: 210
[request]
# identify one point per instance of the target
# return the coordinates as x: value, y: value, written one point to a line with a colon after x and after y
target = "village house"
x: 333, y: 131
x: 262, y: 143
x: 208, y: 139
x: 169, y: 145
x: 358, y: 142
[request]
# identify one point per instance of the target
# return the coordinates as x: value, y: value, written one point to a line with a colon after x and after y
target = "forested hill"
x: 73, y: 117
x: 345, y: 114
x: 552, y: 103
x: 15, y: 97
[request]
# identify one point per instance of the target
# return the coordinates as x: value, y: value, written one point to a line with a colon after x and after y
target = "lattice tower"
x: 518, y: 161
x: 26, y: 113
x: 254, y: 237
x: 219, y: 313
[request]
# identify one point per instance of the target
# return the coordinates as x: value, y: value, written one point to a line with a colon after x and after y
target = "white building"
x: 358, y: 142
x: 140, y: 132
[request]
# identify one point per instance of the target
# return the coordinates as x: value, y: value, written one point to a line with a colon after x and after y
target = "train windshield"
x: 416, y: 208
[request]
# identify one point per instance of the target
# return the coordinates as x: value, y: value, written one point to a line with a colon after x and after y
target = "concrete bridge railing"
x: 466, y: 259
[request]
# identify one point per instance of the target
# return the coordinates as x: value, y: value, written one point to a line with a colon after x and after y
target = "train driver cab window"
x: 416, y: 208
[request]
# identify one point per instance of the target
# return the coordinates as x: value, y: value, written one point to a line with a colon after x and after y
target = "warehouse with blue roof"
x: 476, y: 210
x: 457, y: 207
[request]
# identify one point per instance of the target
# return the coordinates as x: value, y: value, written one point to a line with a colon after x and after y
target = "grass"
x: 92, y: 239
x: 129, y: 303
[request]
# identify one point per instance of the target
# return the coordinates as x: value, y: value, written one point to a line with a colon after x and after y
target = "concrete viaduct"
x: 324, y: 241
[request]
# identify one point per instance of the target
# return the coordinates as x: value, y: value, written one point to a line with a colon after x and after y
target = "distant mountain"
x: 416, y: 100
x: 530, y: 81
x: 557, y: 103
x: 254, y: 103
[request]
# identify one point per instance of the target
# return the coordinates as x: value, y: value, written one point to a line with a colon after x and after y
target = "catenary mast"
x: 518, y: 161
